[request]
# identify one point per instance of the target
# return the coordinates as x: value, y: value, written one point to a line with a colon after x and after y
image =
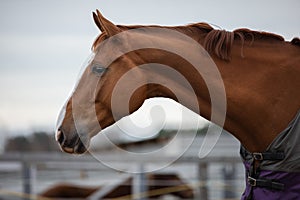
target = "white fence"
x: 30, y: 163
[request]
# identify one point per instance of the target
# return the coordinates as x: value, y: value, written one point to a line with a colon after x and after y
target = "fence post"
x: 27, y: 176
x: 229, y: 171
x: 139, y: 184
x: 202, y: 177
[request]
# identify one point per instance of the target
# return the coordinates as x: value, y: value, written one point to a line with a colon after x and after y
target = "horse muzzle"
x: 72, y: 143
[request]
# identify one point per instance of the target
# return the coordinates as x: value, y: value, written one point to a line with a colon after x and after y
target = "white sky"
x: 43, y: 44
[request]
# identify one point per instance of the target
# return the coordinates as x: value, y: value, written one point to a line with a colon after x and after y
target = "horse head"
x: 89, y: 108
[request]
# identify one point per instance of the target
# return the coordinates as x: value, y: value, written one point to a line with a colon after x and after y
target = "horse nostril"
x: 60, y: 136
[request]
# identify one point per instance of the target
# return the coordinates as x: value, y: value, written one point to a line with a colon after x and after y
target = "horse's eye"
x: 98, y: 69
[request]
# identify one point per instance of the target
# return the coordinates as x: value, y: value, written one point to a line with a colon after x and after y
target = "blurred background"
x: 43, y: 45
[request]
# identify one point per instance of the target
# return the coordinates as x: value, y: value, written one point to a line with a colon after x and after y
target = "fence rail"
x: 31, y: 162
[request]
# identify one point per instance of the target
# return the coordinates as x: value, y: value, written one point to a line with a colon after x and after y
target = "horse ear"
x: 97, y: 22
x: 105, y: 25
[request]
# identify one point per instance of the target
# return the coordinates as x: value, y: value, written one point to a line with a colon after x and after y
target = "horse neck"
x: 258, y: 96
x: 261, y: 90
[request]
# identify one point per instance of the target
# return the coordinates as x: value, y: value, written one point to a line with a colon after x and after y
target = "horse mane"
x: 216, y: 41
x: 296, y: 41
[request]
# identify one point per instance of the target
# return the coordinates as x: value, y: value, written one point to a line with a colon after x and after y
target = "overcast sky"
x: 44, y: 43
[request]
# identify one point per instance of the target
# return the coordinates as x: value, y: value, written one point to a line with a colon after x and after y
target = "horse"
x: 245, y: 81
x: 159, y: 184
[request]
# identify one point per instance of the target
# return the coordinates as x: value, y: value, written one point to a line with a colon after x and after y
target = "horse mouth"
x: 74, y: 145
x: 78, y: 148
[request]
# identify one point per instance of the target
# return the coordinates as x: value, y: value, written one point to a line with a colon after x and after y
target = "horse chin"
x: 80, y: 147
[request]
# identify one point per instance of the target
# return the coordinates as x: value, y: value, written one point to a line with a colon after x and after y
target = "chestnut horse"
x: 258, y: 82
x: 159, y: 185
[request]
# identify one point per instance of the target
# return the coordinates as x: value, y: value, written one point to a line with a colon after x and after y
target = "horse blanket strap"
x: 253, y: 173
x: 269, y: 184
x: 268, y: 156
